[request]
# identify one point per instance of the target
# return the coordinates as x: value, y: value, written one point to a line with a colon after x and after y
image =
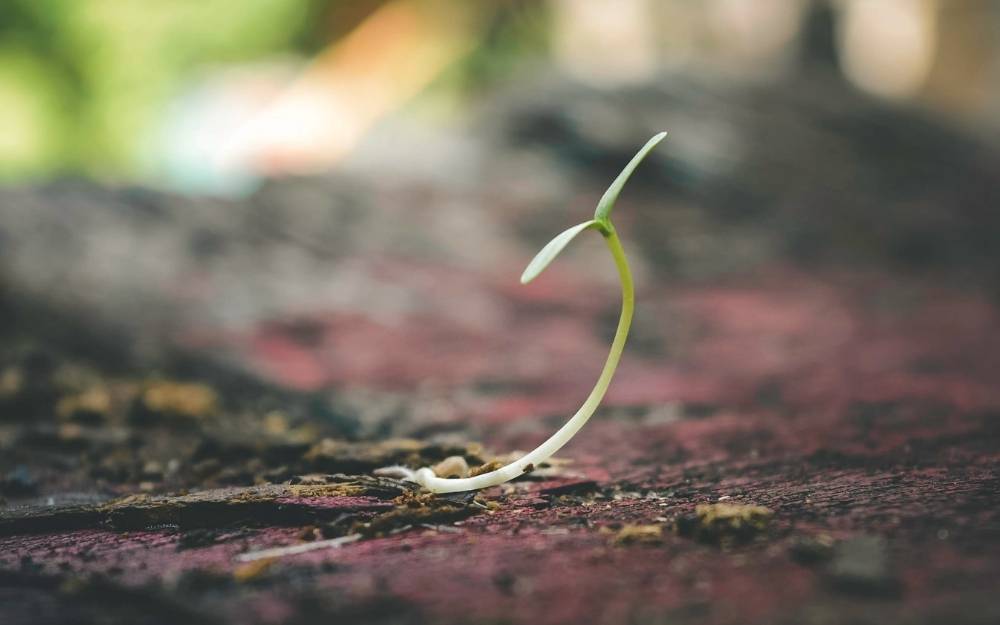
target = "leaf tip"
x: 611, y: 195
x: 552, y: 249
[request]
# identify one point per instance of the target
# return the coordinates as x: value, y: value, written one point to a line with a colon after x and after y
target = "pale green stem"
x: 543, y: 452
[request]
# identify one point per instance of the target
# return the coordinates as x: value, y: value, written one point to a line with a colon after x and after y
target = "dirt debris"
x: 414, y: 509
x: 639, y: 535
x: 492, y: 465
x: 452, y: 466
x: 274, y: 504
x: 91, y: 406
x: 176, y: 399
x: 724, y: 524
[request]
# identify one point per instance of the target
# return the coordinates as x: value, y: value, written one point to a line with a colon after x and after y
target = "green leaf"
x: 552, y: 249
x: 611, y: 195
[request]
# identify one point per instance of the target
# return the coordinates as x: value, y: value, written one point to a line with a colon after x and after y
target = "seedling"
x: 602, y: 224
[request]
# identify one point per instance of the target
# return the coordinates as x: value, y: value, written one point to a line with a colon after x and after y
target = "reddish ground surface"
x: 862, y: 411
x: 804, y: 429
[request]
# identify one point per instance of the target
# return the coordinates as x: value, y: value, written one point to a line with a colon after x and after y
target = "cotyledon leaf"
x: 611, y: 195
x: 552, y: 249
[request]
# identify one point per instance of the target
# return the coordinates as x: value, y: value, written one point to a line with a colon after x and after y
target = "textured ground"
x: 805, y: 427
x: 864, y: 417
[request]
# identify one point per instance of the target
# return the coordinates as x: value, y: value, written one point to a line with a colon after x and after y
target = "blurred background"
x: 324, y: 195
x: 209, y: 96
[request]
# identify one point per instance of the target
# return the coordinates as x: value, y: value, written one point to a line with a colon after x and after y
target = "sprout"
x: 602, y: 223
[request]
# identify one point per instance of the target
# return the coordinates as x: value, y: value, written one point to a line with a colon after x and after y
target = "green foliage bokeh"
x: 81, y: 79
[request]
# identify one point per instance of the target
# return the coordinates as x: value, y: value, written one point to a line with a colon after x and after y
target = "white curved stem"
x: 425, y: 476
